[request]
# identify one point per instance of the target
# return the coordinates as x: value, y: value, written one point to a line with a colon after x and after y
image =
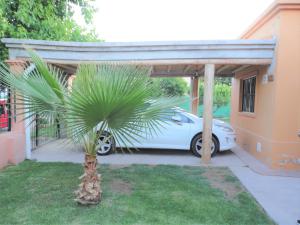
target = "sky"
x: 162, y: 20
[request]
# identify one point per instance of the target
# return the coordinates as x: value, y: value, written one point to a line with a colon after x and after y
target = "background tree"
x: 222, y: 92
x: 223, y: 80
x: 44, y: 19
x: 169, y: 86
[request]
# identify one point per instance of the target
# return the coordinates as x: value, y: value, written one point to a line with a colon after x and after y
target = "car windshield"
x: 167, y: 115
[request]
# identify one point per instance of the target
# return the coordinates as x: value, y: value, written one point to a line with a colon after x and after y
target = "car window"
x: 170, y: 113
x: 184, y: 119
x: 167, y: 115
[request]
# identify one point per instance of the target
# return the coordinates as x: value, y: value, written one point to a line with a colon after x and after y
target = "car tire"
x: 197, y: 142
x: 108, y: 147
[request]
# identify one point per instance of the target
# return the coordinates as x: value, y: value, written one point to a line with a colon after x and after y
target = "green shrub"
x: 169, y: 86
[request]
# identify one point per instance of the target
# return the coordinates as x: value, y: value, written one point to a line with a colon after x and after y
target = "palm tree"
x: 109, y: 98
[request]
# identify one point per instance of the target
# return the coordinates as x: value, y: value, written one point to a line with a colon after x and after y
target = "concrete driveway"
x: 63, y: 151
x: 278, y: 195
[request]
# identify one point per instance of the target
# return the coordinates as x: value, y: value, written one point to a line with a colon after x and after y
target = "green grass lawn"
x: 42, y: 193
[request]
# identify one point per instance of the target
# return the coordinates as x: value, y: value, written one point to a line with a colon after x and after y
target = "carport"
x: 167, y: 59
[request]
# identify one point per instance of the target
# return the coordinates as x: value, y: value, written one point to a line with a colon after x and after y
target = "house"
x: 265, y: 108
x: 264, y: 64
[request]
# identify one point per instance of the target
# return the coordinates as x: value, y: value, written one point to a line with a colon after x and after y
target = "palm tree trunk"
x: 89, y: 192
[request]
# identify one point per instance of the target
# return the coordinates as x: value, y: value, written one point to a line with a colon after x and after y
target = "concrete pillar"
x: 17, y: 67
x: 16, y: 138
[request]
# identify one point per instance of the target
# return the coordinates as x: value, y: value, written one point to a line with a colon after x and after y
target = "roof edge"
x: 9, y: 42
x: 269, y: 13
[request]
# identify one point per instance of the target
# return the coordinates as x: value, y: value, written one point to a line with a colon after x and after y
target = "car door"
x: 173, y: 135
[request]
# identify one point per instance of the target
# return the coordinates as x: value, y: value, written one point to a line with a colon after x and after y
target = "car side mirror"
x: 176, y: 118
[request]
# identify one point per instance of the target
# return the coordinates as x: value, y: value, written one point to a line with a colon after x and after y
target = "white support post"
x: 207, y: 113
x: 27, y: 137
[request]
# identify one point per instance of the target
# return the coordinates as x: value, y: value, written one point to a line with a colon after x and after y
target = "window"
x: 5, y: 120
x: 248, y: 94
x: 170, y: 113
x: 184, y: 119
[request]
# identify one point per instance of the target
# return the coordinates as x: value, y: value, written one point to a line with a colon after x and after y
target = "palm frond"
x: 109, y: 97
x: 119, y: 97
x: 41, y: 90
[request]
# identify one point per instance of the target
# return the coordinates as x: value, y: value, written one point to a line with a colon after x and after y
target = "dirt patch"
x: 120, y: 186
x: 218, y: 178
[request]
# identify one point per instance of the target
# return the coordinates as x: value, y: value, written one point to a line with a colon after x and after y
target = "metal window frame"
x: 248, y: 95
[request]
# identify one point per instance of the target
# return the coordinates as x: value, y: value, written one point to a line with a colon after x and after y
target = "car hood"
x: 216, y: 122
x: 221, y: 123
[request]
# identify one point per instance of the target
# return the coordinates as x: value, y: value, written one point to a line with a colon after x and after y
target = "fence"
x: 42, y: 131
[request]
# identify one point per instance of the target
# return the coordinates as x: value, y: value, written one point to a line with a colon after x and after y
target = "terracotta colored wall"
x: 3, y: 150
x: 12, y: 143
x: 254, y: 128
x: 276, y: 120
x: 286, y: 146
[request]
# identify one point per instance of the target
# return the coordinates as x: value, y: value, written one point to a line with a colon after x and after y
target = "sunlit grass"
x: 42, y: 193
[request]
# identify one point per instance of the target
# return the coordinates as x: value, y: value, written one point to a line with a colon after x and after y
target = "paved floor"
x: 62, y: 151
x: 279, y: 196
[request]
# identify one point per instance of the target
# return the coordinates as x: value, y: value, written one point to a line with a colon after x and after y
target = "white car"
x: 182, y: 131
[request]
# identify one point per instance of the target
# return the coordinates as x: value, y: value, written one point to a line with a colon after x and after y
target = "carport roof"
x: 168, y: 58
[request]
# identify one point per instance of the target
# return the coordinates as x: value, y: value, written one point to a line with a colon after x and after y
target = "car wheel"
x: 196, y: 145
x: 105, y: 144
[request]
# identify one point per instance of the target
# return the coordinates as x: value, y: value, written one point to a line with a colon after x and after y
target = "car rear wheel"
x: 105, y: 144
x: 196, y: 145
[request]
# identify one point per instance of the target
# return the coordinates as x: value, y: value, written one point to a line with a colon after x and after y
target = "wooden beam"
x: 67, y: 68
x: 194, y: 95
x: 224, y: 75
x: 201, y: 71
x: 157, y: 74
x: 222, y: 68
x: 207, y: 113
x: 187, y: 67
x: 243, y: 67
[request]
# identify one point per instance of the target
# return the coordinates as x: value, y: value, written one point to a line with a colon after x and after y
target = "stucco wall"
x: 12, y: 143
x: 256, y: 128
x: 286, y: 145
x: 276, y: 120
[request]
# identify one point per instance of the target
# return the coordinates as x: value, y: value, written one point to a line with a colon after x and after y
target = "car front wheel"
x: 105, y: 144
x: 196, y: 145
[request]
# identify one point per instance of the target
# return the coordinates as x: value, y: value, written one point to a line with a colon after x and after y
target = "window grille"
x: 248, y: 94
